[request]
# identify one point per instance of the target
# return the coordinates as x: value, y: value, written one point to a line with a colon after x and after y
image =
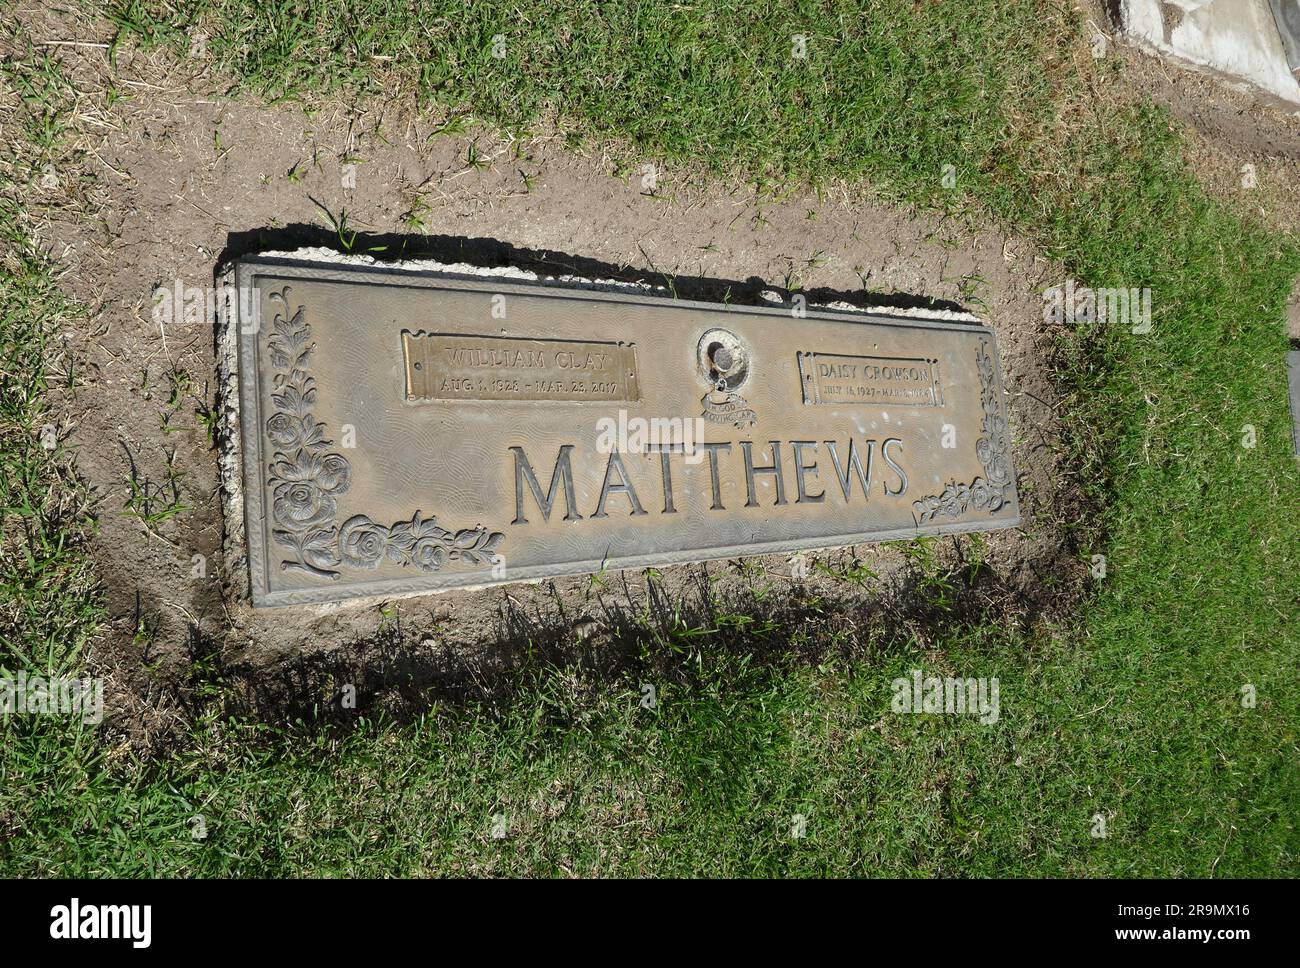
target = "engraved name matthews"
x: 793, y: 470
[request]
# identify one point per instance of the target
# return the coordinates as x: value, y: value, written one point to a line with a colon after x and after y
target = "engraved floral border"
x: 990, y: 492
x: 307, y: 478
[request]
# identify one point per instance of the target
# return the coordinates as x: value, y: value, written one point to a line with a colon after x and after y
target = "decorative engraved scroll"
x: 306, y: 479
x: 987, y: 493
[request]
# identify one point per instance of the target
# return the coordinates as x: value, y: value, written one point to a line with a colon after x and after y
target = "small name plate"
x: 405, y: 431
x: 455, y: 366
x: 837, y: 379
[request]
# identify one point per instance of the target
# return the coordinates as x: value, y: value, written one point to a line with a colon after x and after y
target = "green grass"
x: 1134, y: 713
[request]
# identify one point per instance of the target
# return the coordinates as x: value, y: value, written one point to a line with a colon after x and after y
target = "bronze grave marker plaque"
x: 405, y: 431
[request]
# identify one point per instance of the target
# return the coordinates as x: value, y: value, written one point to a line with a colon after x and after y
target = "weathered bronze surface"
x: 549, y: 431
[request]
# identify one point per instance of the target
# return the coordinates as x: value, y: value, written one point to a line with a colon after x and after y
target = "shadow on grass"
x: 641, y: 626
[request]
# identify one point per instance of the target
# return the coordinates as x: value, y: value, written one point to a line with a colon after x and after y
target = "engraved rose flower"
x: 950, y: 502
x: 428, y: 554
x: 418, y: 542
x: 302, y: 505
x: 287, y: 430
x: 308, y: 485
x: 283, y: 429
x: 362, y: 542
x: 335, y: 473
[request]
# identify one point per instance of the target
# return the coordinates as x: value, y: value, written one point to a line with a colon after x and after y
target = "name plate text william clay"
x: 406, y: 431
